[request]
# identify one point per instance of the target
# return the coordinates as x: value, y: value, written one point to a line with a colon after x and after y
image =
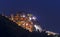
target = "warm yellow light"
x: 23, y: 21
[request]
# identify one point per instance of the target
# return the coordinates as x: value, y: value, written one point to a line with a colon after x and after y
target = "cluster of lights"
x: 24, y: 20
x: 37, y: 27
x: 32, y: 18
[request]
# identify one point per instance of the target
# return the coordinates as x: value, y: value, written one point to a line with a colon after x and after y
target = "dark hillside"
x: 11, y: 29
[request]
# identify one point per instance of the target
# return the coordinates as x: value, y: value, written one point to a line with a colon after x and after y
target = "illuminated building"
x: 28, y: 22
x: 24, y: 21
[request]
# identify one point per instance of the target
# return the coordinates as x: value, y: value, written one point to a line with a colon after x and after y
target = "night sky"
x: 46, y: 11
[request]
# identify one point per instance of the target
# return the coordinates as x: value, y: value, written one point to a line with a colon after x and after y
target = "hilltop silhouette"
x: 9, y: 28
